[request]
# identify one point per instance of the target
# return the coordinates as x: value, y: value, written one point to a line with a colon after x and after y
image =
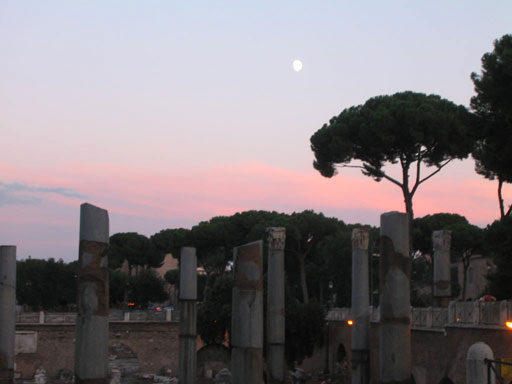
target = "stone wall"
x: 438, y: 350
x: 155, y: 345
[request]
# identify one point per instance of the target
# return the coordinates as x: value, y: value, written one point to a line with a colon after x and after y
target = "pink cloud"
x: 199, y: 194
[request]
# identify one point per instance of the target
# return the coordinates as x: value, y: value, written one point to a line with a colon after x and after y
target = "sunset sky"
x: 168, y: 113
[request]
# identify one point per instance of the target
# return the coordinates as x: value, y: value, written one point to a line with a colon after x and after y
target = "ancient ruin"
x: 442, y: 282
x: 7, y: 312
x: 395, y: 301
x: 275, y: 302
x: 91, y: 347
x: 188, y: 298
x: 247, y: 315
x: 360, y: 307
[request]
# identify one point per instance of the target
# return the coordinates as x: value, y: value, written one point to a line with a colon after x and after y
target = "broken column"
x: 275, y: 302
x: 7, y: 312
x: 188, y: 315
x: 394, y: 275
x: 442, y: 287
x: 360, y: 306
x: 247, y: 315
x: 91, y: 333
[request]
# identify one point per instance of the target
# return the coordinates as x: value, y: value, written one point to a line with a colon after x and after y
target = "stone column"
x: 7, y: 312
x: 360, y: 306
x: 395, y: 301
x: 91, y: 331
x: 188, y: 299
x: 247, y: 315
x: 442, y: 286
x: 275, y: 302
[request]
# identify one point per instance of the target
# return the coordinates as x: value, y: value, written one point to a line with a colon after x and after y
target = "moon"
x: 297, y: 65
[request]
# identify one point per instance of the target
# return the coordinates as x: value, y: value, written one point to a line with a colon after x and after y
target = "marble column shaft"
x: 395, y: 301
x: 442, y: 280
x: 275, y: 303
x: 360, y: 306
x: 91, y: 331
x: 7, y: 312
x: 247, y: 315
x: 188, y: 316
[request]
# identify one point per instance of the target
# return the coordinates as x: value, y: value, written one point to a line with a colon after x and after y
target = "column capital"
x: 276, y: 238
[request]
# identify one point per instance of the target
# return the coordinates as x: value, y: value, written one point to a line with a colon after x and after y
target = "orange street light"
x: 509, y: 324
x: 351, y: 322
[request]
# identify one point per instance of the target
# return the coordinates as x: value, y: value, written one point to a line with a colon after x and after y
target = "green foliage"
x: 499, y: 241
x: 146, y: 287
x: 214, y: 313
x: 493, y: 103
x: 117, y: 286
x: 172, y: 277
x: 406, y: 127
x: 304, y: 231
x: 129, y: 246
x: 305, y: 329
x: 46, y: 284
x: 170, y: 241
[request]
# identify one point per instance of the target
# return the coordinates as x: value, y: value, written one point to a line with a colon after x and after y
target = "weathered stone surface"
x: 394, y: 273
x: 7, y: 311
x: 275, y: 302
x: 360, y: 306
x: 91, y: 347
x: 188, y: 319
x: 188, y: 274
x: 442, y: 278
x: 247, y: 315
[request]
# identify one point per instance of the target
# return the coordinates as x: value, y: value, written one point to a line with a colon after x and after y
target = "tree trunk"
x: 500, y: 198
x: 303, y: 283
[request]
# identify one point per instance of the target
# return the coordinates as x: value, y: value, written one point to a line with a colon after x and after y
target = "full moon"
x: 297, y: 65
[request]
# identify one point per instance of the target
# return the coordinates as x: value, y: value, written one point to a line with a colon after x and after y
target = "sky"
x: 167, y: 113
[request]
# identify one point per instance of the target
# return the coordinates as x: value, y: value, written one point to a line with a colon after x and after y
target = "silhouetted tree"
x: 493, y: 103
x: 409, y: 128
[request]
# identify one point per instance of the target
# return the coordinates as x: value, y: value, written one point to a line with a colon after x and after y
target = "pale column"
x: 7, y: 312
x: 476, y: 368
x: 395, y: 301
x: 91, y: 333
x: 360, y: 306
x: 188, y: 315
x: 247, y: 315
x: 275, y: 302
x: 442, y: 280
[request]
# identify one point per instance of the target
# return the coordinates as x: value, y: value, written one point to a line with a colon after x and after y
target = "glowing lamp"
x: 351, y: 322
x: 509, y: 324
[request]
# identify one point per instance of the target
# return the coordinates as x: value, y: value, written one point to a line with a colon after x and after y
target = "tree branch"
x: 429, y: 176
x: 394, y: 181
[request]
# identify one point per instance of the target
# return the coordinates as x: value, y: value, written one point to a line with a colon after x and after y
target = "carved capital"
x: 276, y: 238
x: 442, y: 240
x: 360, y: 238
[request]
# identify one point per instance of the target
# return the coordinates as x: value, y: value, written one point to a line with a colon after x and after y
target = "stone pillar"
x: 395, y: 301
x: 476, y: 368
x: 7, y: 312
x: 91, y: 331
x: 188, y: 299
x: 275, y: 303
x: 442, y: 286
x: 360, y: 306
x: 247, y: 315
